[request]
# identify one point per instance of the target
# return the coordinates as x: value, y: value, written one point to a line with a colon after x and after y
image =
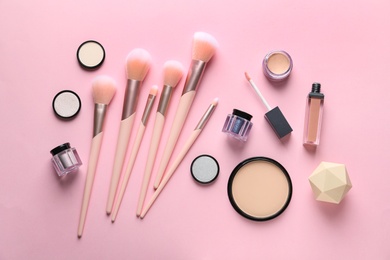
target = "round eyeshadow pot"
x: 66, y: 104
x: 277, y: 65
x: 259, y: 188
x: 204, y: 169
x: 91, y: 55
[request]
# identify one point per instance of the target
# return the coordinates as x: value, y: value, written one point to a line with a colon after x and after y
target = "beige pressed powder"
x: 259, y: 188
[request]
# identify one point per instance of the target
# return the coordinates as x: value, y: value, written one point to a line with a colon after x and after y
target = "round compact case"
x: 259, y: 188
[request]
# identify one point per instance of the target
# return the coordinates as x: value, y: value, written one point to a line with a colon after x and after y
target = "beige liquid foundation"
x: 313, y: 118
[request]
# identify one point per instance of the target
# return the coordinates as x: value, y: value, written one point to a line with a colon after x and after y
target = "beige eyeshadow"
x: 278, y: 63
x: 261, y: 189
x: 91, y: 54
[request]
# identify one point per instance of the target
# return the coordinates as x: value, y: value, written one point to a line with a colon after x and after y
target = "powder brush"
x: 103, y: 90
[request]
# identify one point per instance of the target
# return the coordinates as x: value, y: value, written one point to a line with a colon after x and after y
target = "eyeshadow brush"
x: 134, y: 151
x: 173, y: 72
x: 187, y: 145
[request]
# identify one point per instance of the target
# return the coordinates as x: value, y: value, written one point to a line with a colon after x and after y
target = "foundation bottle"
x: 313, y: 117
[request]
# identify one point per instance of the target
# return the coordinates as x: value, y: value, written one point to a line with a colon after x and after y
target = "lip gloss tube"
x: 313, y: 118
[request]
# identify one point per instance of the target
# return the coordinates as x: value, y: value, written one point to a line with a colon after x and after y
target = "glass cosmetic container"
x: 238, y: 125
x: 313, y: 117
x: 277, y: 65
x: 65, y: 159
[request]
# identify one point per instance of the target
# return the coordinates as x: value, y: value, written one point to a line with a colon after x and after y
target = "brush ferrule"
x: 148, y: 109
x: 165, y: 97
x: 98, y: 119
x: 131, y: 98
x: 205, y: 118
x: 194, y: 75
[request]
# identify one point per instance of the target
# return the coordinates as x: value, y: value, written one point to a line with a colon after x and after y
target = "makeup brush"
x: 187, y: 145
x: 274, y: 116
x: 103, y: 90
x: 134, y: 151
x: 138, y: 63
x: 203, y: 48
x: 173, y: 72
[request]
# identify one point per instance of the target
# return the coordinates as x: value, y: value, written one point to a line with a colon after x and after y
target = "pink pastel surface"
x: 344, y: 45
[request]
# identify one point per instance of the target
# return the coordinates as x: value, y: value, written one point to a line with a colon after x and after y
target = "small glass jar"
x: 65, y: 159
x: 277, y: 65
x: 238, y: 125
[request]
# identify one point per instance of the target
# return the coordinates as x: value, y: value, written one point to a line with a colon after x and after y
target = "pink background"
x: 344, y: 45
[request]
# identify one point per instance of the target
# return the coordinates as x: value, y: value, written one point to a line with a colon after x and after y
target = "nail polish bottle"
x: 238, y: 124
x: 313, y: 117
x: 65, y: 159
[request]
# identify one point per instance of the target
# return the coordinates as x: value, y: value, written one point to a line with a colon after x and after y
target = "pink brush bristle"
x: 103, y: 89
x: 138, y: 63
x: 173, y: 72
x: 204, y: 46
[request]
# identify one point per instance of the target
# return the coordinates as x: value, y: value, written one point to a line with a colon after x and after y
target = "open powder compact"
x: 259, y: 188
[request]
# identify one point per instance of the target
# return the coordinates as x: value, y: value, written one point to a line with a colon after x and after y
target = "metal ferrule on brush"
x: 194, y: 75
x: 100, y: 111
x: 164, y: 99
x: 148, y: 109
x: 131, y: 98
x: 205, y: 118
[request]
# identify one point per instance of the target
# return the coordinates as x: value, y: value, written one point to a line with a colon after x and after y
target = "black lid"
x: 278, y: 122
x: 84, y: 48
x: 316, y: 87
x: 316, y: 91
x: 72, y: 105
x: 60, y: 148
x: 242, y: 114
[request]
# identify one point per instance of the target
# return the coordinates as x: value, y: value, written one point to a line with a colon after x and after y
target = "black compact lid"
x: 278, y: 122
x: 242, y: 114
x: 60, y: 148
x: 85, y: 57
x: 66, y: 104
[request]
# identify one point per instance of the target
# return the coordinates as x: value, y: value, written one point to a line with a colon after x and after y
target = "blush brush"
x: 203, y: 49
x: 138, y: 63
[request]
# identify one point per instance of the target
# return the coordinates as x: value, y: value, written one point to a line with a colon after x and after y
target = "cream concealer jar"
x: 277, y: 65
